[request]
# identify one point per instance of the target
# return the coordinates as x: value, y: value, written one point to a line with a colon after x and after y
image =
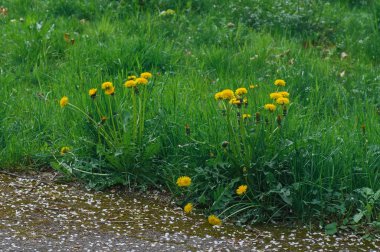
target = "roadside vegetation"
x: 255, y: 111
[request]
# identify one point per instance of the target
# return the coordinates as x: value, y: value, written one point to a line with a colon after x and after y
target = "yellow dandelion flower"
x: 214, y: 220
x: 282, y: 101
x: 92, y: 92
x: 64, y: 150
x: 218, y: 96
x: 270, y: 107
x: 279, y: 83
x: 241, y: 91
x: 241, y: 190
x: 146, y: 75
x: 110, y: 91
x: 235, y: 101
x: 130, y: 83
x: 131, y: 77
x: 188, y: 208
x: 184, y: 181
x: 141, y: 81
x: 64, y: 101
x: 275, y: 95
x: 227, y: 94
x: 246, y: 116
x: 252, y: 86
x: 284, y: 94
x: 107, y: 85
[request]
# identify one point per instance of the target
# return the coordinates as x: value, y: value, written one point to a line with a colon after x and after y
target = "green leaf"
x: 357, y: 217
x: 331, y: 228
x: 377, y: 195
x: 285, y: 195
x: 202, y: 199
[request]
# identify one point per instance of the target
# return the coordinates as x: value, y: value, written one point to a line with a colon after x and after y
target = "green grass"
x: 316, y: 164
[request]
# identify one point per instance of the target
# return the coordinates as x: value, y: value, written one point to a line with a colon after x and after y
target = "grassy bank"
x: 320, y: 157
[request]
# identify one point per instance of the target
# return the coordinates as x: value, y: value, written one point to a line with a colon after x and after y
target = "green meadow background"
x: 323, y: 161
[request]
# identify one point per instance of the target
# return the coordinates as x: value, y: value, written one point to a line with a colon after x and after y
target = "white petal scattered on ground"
x: 39, y: 215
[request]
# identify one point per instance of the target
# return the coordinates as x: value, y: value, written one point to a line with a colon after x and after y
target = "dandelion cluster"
x: 279, y: 97
x: 133, y: 81
x: 109, y: 89
x: 235, y: 98
x: 275, y: 95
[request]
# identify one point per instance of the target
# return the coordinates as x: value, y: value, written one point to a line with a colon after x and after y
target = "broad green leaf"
x: 357, y: 217
x: 331, y: 228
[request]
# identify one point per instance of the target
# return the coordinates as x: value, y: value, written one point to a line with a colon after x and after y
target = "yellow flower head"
x: 227, y: 94
x: 130, y: 83
x: 131, y: 77
x: 64, y: 150
x: 110, y: 91
x: 235, y: 101
x: 146, y: 75
x: 241, y: 190
x: 184, y: 181
x: 218, y: 96
x: 214, y: 220
x: 252, y: 86
x: 270, y: 107
x: 241, y: 91
x: 188, y: 208
x: 92, y: 92
x: 284, y: 94
x: 64, y: 101
x: 142, y: 81
x: 246, y: 116
x: 107, y: 85
x: 275, y: 95
x: 279, y: 83
x: 282, y: 101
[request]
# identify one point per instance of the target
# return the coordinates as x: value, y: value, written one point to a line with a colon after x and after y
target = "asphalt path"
x: 39, y: 214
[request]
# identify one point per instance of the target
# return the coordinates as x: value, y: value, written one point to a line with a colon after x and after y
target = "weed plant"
x: 318, y: 156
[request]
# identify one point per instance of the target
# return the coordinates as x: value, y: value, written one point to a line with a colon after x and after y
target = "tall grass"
x: 316, y: 164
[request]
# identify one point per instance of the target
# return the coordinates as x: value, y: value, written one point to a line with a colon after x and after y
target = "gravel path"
x: 37, y: 214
